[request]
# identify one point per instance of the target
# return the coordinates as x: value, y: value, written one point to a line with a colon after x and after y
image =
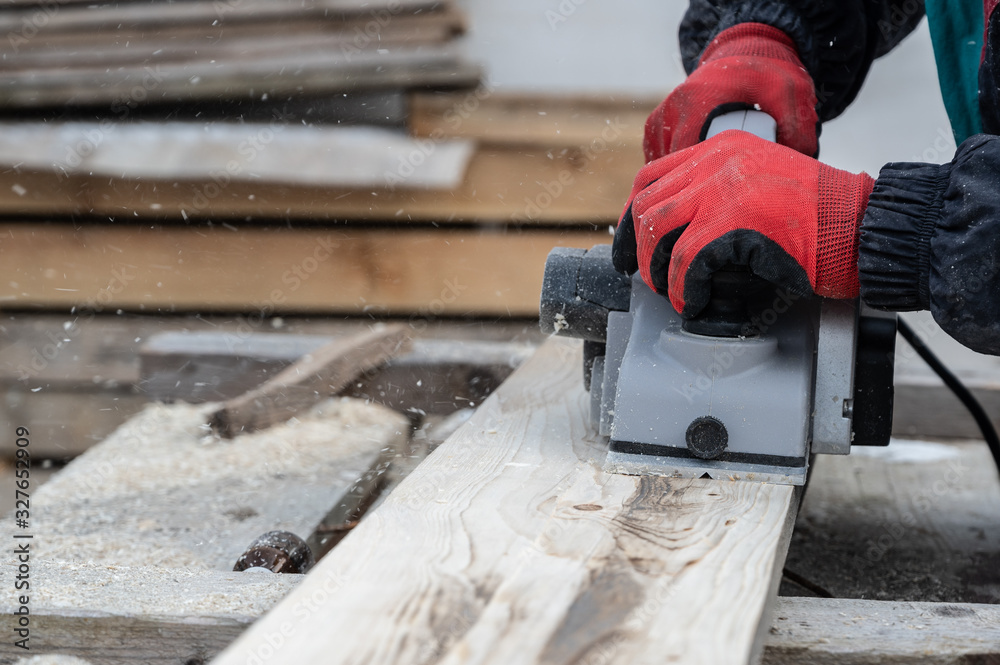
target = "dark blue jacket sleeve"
x: 836, y: 39
x: 930, y: 239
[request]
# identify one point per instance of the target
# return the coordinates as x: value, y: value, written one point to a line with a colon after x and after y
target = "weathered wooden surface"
x: 509, y: 544
x: 492, y: 116
x: 566, y: 186
x: 197, y: 367
x: 411, y: 272
x: 435, y: 376
x: 863, y: 632
x: 314, y: 377
x: 916, y: 521
x: 122, y: 615
x: 279, y: 151
x: 163, y: 491
x: 76, y: 394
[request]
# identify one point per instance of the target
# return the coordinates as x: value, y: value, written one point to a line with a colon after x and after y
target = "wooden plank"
x: 866, y: 632
x: 316, y: 376
x: 66, y: 422
x: 196, y: 367
x: 435, y: 376
x: 493, y: 116
x: 915, y: 521
x: 568, y: 186
x: 162, y: 491
x: 509, y: 544
x: 204, y: 42
x: 119, y: 615
x: 417, y: 273
x: 243, y: 78
x: 156, y: 14
x: 225, y: 152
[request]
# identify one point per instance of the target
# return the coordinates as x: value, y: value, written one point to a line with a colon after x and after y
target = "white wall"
x: 629, y: 47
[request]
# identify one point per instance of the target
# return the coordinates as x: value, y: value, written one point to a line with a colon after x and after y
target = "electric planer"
x: 748, y: 390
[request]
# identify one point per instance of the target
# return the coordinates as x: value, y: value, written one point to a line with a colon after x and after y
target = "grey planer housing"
x: 746, y: 391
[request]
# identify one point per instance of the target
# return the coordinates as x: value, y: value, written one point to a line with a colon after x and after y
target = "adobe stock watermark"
x: 32, y: 25
x: 42, y: 356
x: 564, y: 180
x: 121, y: 107
x: 371, y: 32
x: 940, y: 150
x: 454, y: 117
x: 297, y: 274
x: 725, y: 357
x: 923, y: 501
x: 248, y: 150
x: 562, y: 12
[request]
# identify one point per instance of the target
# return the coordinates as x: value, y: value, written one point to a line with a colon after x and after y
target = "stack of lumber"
x: 365, y: 174
x: 124, y: 54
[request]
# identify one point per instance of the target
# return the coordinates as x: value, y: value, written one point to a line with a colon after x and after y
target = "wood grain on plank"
x: 420, y: 272
x: 509, y: 544
x: 317, y: 375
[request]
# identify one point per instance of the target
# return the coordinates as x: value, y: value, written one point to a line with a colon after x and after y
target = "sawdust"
x: 162, y: 490
x: 164, y: 446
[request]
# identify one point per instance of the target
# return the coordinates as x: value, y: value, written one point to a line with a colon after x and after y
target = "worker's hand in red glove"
x: 739, y: 199
x: 750, y: 65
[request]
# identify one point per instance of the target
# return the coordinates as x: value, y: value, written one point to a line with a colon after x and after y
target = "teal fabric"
x: 957, y: 34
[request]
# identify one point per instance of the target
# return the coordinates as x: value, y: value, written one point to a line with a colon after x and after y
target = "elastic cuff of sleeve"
x: 894, y: 248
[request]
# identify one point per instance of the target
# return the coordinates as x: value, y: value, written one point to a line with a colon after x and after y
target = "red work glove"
x: 750, y: 65
x: 739, y: 199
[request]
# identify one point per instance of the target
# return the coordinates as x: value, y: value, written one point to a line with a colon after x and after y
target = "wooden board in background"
x: 221, y: 153
x: 510, y: 545
x: 237, y: 78
x: 561, y: 186
x: 415, y: 272
x: 490, y: 115
x: 71, y: 17
x: 914, y: 521
x: 822, y: 631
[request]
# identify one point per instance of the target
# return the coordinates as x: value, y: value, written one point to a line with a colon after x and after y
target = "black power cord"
x: 961, y: 392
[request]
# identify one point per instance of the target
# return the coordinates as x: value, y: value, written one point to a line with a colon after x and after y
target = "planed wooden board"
x: 509, y: 544
x: 315, y: 376
x: 838, y: 631
x: 119, y: 615
x: 420, y: 273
